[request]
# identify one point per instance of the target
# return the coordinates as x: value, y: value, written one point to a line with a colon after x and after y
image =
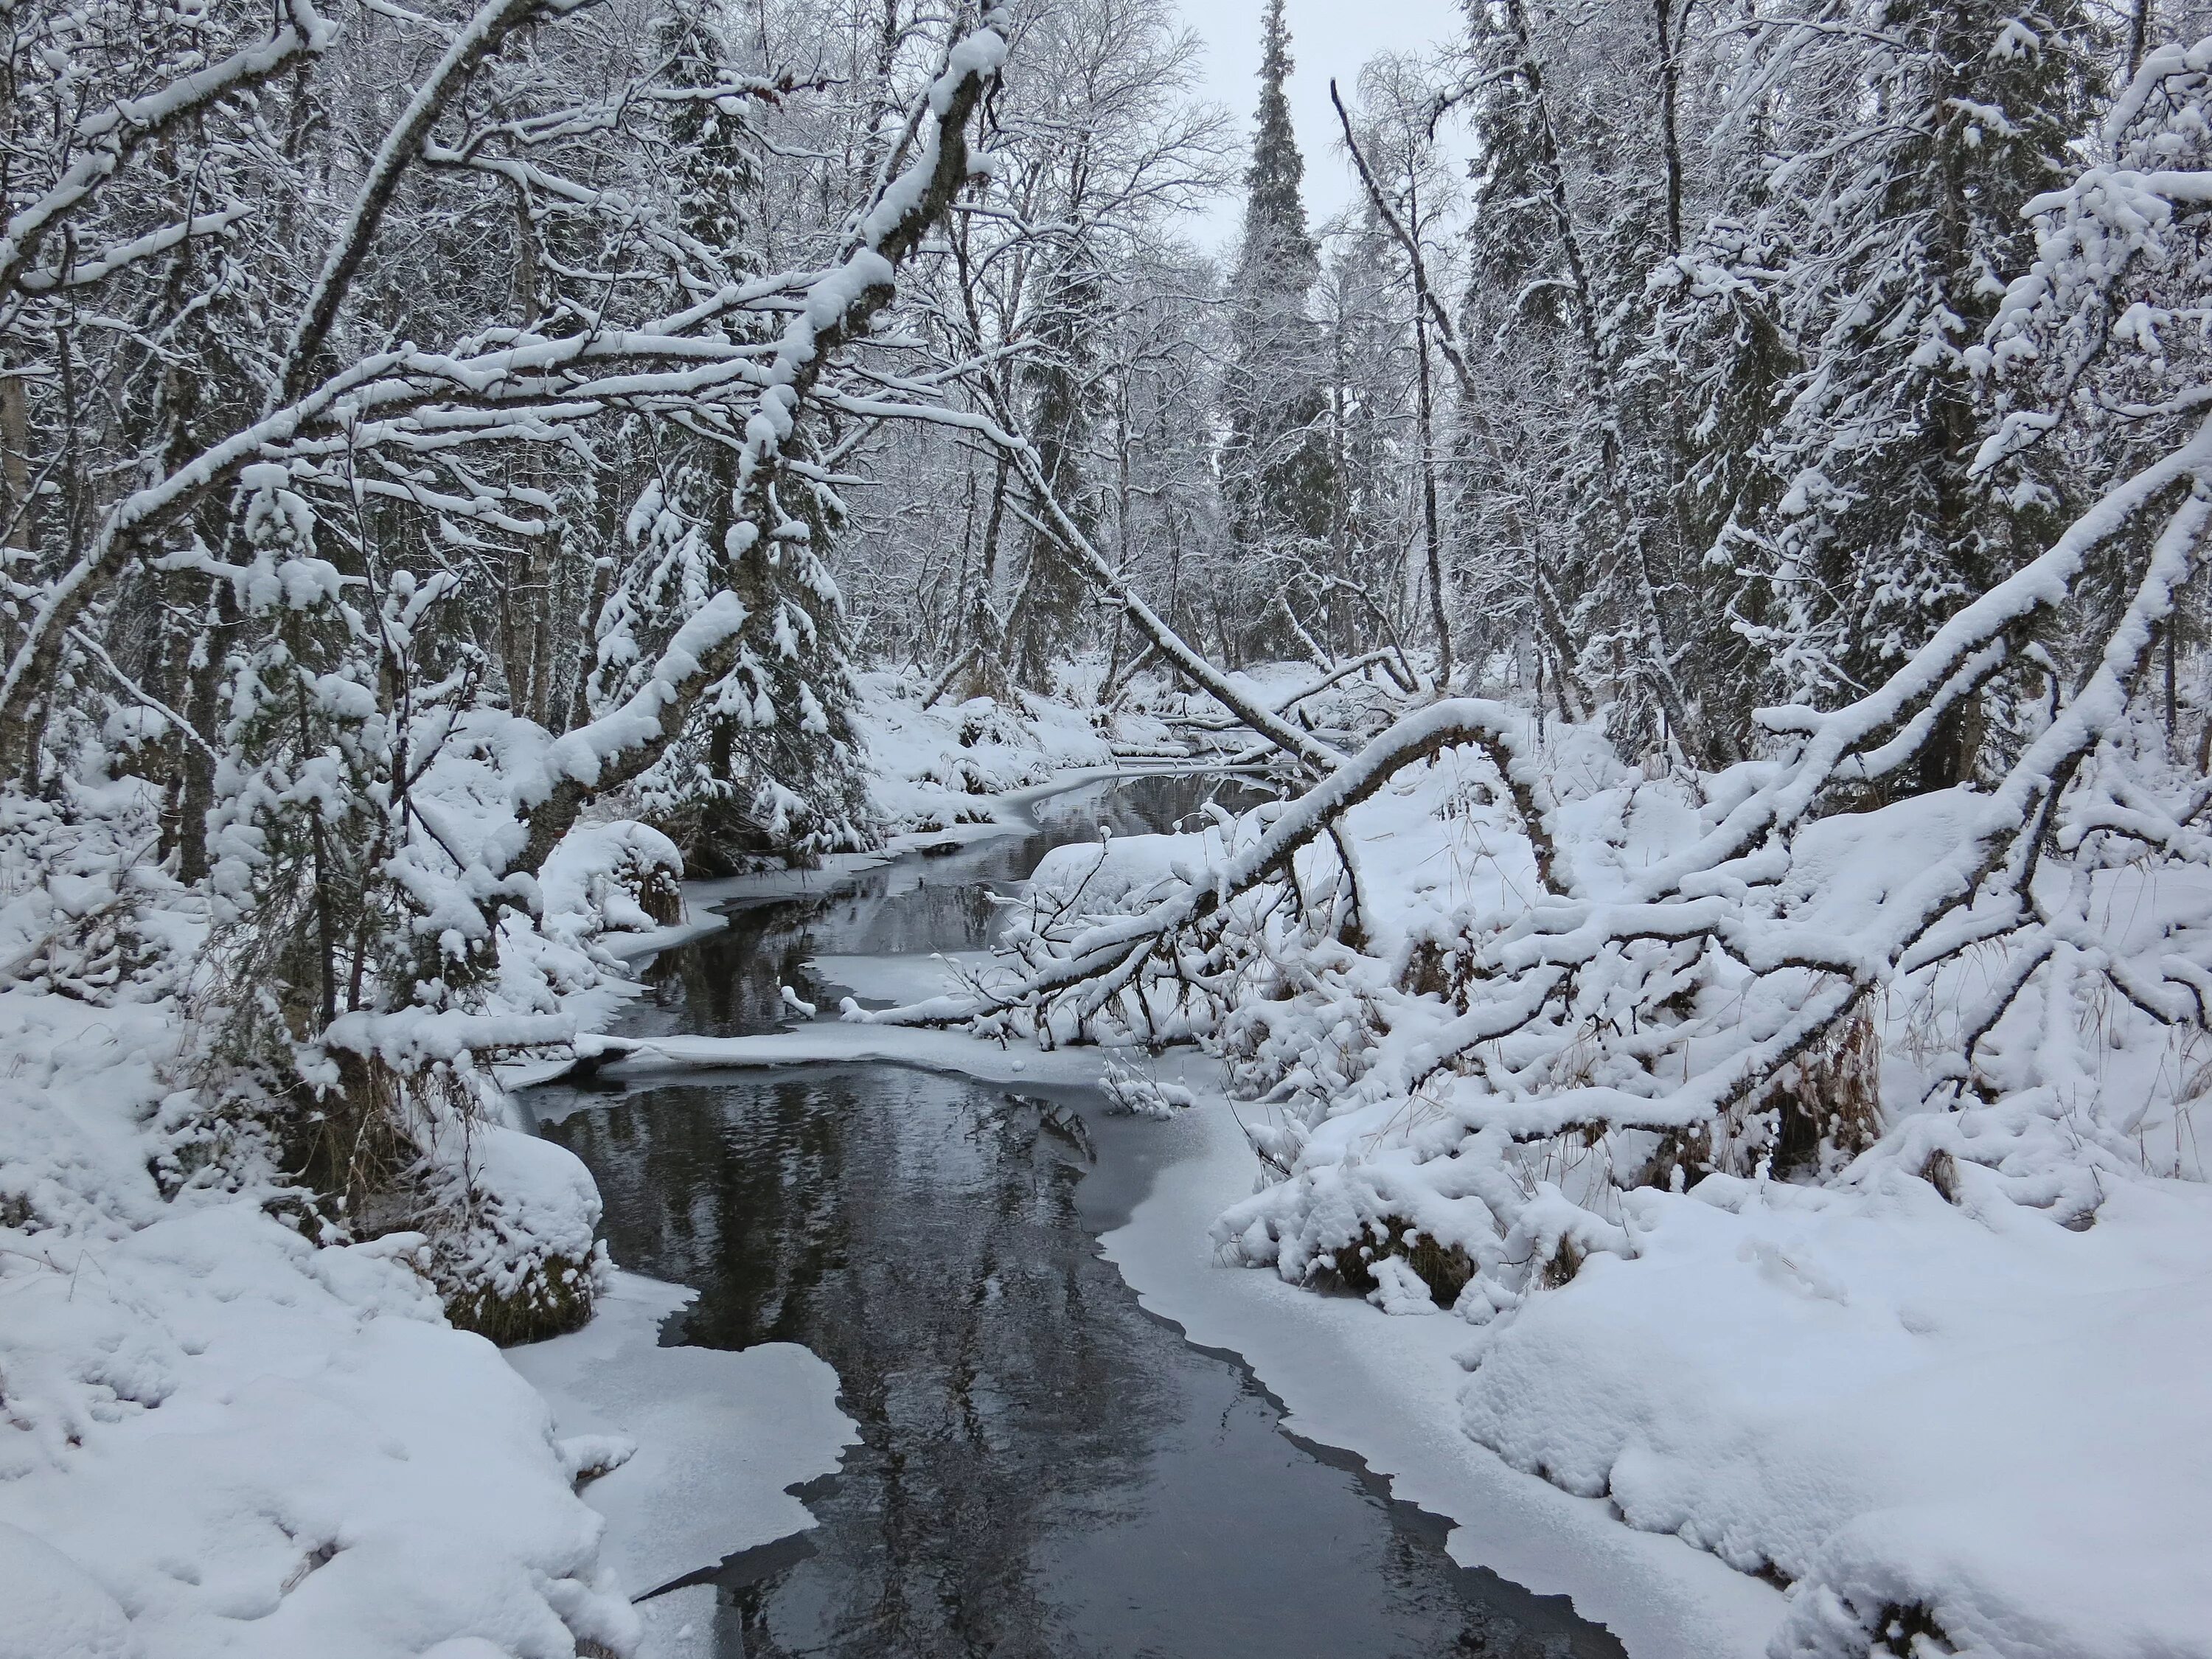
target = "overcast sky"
x: 1328, y: 38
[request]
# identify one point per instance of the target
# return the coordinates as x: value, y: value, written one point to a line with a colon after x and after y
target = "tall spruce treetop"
x: 1277, y: 467
x: 1278, y: 255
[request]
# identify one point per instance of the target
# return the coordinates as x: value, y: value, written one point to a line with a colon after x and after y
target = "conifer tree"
x: 1565, y: 230
x: 1059, y: 380
x: 1277, y: 469
x: 772, y: 768
x: 1903, y: 207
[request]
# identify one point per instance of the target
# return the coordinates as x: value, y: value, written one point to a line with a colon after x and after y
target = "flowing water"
x: 1045, y: 1471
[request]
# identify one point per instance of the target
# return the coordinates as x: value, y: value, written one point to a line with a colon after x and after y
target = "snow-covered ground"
x: 220, y: 1438
x: 931, y: 769
x: 1958, y: 1382
x: 1869, y: 1392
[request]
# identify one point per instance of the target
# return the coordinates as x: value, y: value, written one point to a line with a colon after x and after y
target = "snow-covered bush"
x: 929, y: 767
x: 512, y: 1226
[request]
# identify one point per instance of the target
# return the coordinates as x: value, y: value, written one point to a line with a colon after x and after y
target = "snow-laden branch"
x: 483, y: 35
x: 109, y: 135
x: 1736, y: 967
x: 1113, y: 947
x: 495, y: 388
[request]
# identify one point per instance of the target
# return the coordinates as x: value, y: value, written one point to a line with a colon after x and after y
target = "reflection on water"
x: 1045, y: 1472
x: 726, y: 985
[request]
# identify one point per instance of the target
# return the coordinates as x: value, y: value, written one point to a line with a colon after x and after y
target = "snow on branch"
x: 479, y: 40
x: 108, y: 137
x: 1111, y: 952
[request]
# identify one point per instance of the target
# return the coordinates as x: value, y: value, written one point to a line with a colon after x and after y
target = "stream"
x: 1045, y: 1471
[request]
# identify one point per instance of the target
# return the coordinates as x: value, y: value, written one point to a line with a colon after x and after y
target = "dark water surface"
x: 1045, y: 1471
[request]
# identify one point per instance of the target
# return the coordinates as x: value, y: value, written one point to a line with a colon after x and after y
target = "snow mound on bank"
x: 220, y: 1438
x: 254, y: 1446
x: 235, y: 1442
x: 54, y: 1606
x: 1972, y: 1412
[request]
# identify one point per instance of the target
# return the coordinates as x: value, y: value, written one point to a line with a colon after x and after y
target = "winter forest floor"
x: 218, y: 1438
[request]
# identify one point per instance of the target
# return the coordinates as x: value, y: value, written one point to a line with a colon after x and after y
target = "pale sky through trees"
x: 1328, y: 38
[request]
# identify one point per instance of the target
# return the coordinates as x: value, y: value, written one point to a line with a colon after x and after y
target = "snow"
x: 938, y: 768
x: 1976, y: 1395
x: 719, y: 1436
x: 250, y: 1445
x: 896, y: 978
x: 1894, y: 1402
x: 1386, y: 1389
x: 219, y: 1436
x: 1956, y: 1377
x: 56, y: 1607
x: 679, y: 1624
x: 830, y: 1042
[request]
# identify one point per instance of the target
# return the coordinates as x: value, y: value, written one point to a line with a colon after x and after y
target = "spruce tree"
x: 1569, y: 216
x: 773, y: 768
x: 1278, y: 471
x: 1907, y: 223
x: 1716, y: 363
x: 1059, y: 381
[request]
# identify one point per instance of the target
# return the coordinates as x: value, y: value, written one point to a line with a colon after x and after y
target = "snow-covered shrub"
x: 929, y: 765
x: 85, y: 911
x: 617, y: 876
x: 511, y: 1222
x: 363, y: 959
x: 1140, y: 1094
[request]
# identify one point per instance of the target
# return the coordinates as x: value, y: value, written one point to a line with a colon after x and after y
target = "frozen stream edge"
x: 1387, y: 1389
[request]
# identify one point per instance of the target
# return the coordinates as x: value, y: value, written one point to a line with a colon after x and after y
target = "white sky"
x: 1328, y: 38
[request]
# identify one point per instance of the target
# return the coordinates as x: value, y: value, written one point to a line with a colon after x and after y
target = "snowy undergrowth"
x: 929, y: 769
x: 219, y: 1433
x: 1935, y: 1359
x: 1359, y: 703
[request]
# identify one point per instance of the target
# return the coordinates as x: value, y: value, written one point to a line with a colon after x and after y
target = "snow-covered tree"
x: 1908, y: 141
x: 1276, y: 465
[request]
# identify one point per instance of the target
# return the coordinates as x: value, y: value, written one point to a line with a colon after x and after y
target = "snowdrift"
x: 220, y: 1434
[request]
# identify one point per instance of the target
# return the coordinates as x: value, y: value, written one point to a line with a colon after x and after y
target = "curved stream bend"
x: 1045, y: 1471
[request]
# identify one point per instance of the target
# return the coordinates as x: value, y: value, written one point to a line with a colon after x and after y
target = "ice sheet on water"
x: 719, y: 1436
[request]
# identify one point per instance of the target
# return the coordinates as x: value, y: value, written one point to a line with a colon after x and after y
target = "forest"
x: 1706, y: 552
